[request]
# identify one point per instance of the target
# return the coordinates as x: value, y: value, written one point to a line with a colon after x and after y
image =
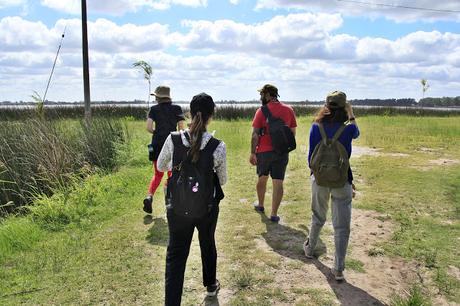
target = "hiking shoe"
x: 148, y: 204
x: 338, y: 275
x: 213, y: 290
x: 275, y: 219
x: 306, y: 249
x: 258, y: 208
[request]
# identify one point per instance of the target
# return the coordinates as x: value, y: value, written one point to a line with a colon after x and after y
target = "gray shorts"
x: 272, y: 163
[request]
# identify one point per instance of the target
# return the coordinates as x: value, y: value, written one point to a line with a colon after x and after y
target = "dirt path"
x: 382, y: 276
x: 372, y: 277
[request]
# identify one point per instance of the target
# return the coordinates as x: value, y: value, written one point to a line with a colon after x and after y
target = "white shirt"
x: 164, y: 161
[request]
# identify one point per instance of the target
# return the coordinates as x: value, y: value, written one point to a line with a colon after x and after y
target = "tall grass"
x: 231, y: 112
x: 38, y: 156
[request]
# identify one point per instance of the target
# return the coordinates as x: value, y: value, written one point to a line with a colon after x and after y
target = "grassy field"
x: 94, y: 245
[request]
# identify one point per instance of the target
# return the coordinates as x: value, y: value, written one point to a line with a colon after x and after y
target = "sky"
x: 230, y: 48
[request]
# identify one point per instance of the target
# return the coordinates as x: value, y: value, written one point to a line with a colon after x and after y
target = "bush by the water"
x: 38, y: 156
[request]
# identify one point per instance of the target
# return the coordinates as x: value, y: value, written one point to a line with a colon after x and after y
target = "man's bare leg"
x: 277, y: 196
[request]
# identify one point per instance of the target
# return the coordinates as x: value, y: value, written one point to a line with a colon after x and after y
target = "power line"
x: 402, y: 6
x: 54, y: 64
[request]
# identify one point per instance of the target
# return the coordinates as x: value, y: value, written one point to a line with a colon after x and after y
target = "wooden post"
x: 86, y: 87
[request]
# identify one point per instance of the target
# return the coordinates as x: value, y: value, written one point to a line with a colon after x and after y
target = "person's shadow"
x: 158, y: 233
x: 288, y: 242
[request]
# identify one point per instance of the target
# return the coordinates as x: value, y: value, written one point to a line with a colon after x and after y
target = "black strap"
x: 266, y: 112
x: 176, y: 139
x: 179, y: 150
x: 212, y: 144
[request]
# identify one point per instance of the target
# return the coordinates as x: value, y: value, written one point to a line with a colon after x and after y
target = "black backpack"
x: 283, y: 140
x: 194, y: 188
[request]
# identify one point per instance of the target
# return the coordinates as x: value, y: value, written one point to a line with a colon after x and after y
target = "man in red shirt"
x: 262, y: 154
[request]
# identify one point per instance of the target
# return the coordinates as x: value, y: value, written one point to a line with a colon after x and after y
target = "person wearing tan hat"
x: 163, y: 118
x: 263, y: 155
x: 336, y: 121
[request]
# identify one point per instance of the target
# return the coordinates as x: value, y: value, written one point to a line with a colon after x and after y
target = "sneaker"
x: 213, y: 290
x: 258, y: 208
x: 306, y: 249
x: 275, y: 219
x: 338, y: 275
x: 148, y: 204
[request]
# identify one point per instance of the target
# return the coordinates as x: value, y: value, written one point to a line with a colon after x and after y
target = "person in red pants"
x: 163, y: 118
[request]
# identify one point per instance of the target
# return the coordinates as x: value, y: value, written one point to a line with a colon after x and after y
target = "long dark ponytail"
x: 201, y: 108
x: 197, y: 128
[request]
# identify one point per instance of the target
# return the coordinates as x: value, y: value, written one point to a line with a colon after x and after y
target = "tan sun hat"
x: 162, y: 92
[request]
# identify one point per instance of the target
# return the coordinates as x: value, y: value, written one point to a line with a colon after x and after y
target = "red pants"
x: 156, y: 179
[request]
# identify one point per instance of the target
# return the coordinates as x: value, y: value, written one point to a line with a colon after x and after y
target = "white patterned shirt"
x: 164, y: 161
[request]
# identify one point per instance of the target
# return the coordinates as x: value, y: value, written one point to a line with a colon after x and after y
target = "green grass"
x: 414, y: 297
x: 39, y: 156
x: 92, y: 244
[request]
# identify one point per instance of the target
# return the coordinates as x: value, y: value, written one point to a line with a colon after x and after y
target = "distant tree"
x: 425, y: 86
x: 148, y: 71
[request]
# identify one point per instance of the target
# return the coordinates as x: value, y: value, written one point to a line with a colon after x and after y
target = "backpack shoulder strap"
x: 266, y: 112
x: 323, y: 133
x: 180, y: 150
x: 212, y: 144
x: 176, y: 139
x: 187, y: 136
x: 338, y: 133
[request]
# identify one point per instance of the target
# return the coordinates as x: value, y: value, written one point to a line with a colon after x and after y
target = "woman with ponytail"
x: 199, y: 148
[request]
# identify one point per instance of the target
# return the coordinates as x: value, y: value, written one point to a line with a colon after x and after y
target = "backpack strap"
x: 180, y: 150
x: 323, y: 133
x: 176, y: 139
x: 338, y: 133
x: 268, y: 116
x: 266, y: 112
x: 212, y: 144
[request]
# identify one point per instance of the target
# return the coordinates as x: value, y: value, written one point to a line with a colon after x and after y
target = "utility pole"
x: 85, y: 62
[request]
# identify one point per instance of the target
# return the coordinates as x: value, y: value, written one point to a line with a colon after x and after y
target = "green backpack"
x: 329, y: 161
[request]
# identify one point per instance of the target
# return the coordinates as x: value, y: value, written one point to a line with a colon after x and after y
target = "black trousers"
x: 180, y: 237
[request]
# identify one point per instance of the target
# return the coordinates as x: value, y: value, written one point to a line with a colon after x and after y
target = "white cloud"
x: 310, y: 36
x: 295, y: 35
x: 17, y: 34
x: 234, y: 2
x: 356, y: 9
x: 119, y: 7
x: 299, y: 52
x: 11, y: 3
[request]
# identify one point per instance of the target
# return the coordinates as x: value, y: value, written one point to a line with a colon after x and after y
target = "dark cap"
x: 336, y: 99
x: 271, y: 89
x: 203, y: 103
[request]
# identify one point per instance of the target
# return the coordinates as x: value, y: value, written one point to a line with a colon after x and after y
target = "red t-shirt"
x: 279, y: 110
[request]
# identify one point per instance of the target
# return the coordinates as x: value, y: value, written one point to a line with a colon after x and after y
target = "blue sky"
x: 230, y: 48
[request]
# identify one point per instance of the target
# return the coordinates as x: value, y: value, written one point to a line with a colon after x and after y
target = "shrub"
x: 38, y: 156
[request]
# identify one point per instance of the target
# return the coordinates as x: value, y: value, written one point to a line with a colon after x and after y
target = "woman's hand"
x: 327, y: 111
